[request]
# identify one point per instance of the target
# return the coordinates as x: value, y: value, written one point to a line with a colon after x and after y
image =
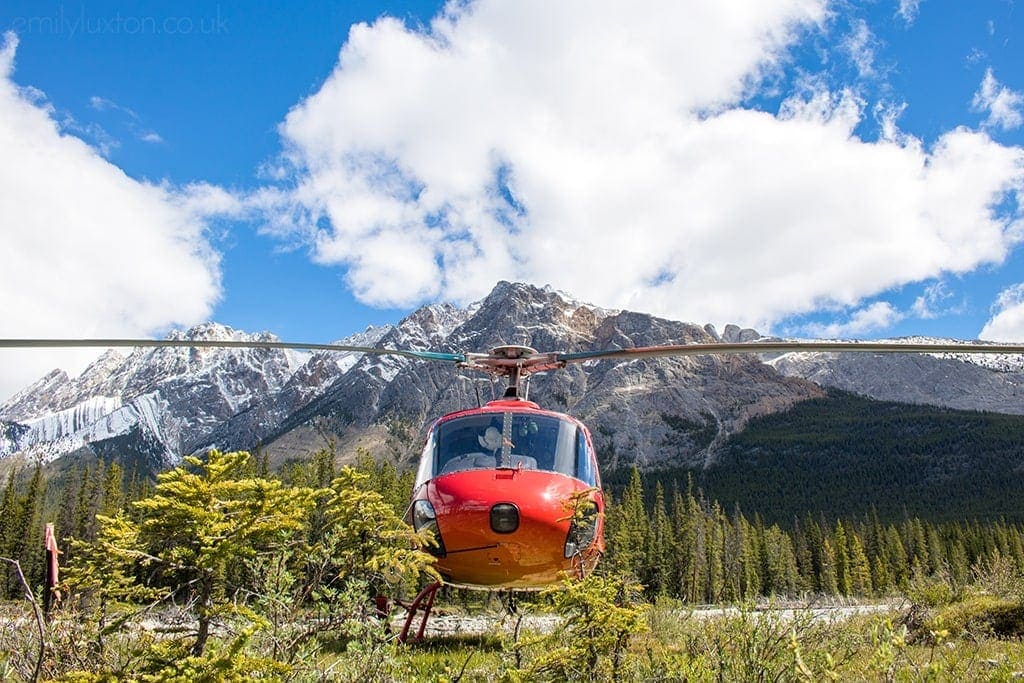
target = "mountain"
x: 151, y: 406
x: 844, y: 455
x: 963, y: 381
x: 646, y: 411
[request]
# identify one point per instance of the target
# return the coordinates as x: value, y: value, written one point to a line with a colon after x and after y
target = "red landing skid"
x: 427, y: 594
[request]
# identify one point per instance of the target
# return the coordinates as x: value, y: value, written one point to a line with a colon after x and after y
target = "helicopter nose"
x: 503, y: 528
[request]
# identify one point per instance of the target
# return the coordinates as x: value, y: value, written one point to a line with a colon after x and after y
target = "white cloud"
x: 89, y: 251
x: 585, y: 146
x: 134, y: 123
x: 907, y: 10
x: 1002, y: 104
x: 873, y: 318
x: 860, y: 44
x: 1007, y: 321
x: 936, y: 302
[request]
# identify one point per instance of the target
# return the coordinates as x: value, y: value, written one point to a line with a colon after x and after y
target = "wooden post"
x: 51, y: 594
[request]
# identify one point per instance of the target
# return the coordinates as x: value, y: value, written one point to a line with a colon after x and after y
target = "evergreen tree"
x: 716, y: 524
x: 859, y: 566
x: 881, y: 580
x: 27, y: 546
x: 9, y: 512
x: 827, y: 581
x: 804, y: 561
x: 628, y: 528
x: 839, y: 544
x: 896, y: 557
x: 660, y: 543
x: 111, y: 497
x: 194, y: 526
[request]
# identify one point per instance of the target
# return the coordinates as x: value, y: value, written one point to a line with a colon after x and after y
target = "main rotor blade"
x: 222, y: 344
x: 786, y: 347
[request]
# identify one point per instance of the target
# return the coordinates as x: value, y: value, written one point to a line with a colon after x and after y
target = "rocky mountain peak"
x: 33, y: 400
x: 155, y: 405
x: 733, y: 334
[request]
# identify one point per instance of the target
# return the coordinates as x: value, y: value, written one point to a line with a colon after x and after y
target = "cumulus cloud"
x: 604, y: 150
x: 1007, y: 321
x: 89, y: 251
x: 1002, y: 104
x: 875, y: 317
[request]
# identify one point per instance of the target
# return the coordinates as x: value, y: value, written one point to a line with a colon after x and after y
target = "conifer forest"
x: 226, y: 569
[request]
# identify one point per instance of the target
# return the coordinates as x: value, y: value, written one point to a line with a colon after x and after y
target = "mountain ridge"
x: 653, y: 412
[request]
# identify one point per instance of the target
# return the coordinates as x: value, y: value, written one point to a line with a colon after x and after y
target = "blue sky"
x: 808, y: 168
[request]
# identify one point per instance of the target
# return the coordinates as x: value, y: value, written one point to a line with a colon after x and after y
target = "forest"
x: 273, y: 570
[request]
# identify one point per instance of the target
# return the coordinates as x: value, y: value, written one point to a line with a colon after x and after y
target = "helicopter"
x: 512, y: 492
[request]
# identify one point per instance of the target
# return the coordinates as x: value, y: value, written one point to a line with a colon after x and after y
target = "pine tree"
x: 27, y: 546
x: 839, y: 544
x: 881, y: 580
x: 859, y: 566
x: 781, y: 577
x: 628, y: 529
x: 194, y: 526
x: 716, y: 524
x: 83, y: 516
x: 8, y: 516
x: 111, y: 498
x: 895, y: 556
x: 687, y: 544
x: 827, y: 581
x: 802, y: 551
x: 660, y: 543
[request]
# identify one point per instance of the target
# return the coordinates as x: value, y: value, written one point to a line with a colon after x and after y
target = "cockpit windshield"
x: 515, y: 440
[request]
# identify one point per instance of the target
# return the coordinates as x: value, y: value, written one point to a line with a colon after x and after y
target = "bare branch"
x: 38, y: 613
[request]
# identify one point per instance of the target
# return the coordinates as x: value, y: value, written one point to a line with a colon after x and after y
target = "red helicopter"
x: 512, y: 492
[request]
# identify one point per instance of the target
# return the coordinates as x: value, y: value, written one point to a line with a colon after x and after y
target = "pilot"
x: 490, y: 440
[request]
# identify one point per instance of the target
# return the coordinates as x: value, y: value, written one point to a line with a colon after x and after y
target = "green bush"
x: 982, y: 616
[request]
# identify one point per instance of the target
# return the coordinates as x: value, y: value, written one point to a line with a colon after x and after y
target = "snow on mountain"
x: 169, y: 396
x: 1000, y: 362
x: 965, y: 381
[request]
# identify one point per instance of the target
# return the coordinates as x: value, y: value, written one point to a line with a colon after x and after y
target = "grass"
x: 976, y: 637
x: 753, y: 645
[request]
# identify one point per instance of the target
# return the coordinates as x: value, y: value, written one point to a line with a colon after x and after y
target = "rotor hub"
x: 513, y: 352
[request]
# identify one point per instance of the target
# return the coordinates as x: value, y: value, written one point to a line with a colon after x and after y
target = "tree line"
x: 678, y: 543
x: 687, y: 546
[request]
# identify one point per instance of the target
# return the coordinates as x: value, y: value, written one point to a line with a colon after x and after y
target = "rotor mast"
x: 514, y: 362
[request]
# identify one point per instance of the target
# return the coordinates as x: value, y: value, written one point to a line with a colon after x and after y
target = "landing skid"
x: 426, y: 595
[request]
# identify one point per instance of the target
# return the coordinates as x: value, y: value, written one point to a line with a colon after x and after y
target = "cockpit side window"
x: 426, y: 469
x: 584, y: 461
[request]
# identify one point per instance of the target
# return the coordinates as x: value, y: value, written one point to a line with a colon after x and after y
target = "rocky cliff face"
x: 961, y: 381
x: 154, y: 405
x: 652, y: 412
x: 170, y: 399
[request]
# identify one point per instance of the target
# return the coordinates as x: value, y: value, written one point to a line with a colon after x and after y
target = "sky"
x: 804, y: 167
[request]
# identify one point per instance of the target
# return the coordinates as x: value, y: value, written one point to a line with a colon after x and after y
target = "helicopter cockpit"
x: 511, y: 440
